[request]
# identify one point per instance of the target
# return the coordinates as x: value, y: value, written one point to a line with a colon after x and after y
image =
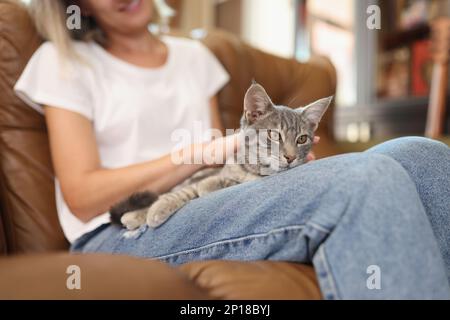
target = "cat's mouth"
x: 278, y: 167
x: 274, y: 164
x: 286, y: 166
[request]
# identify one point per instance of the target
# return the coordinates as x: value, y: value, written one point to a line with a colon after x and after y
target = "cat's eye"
x: 274, y: 135
x: 302, y: 139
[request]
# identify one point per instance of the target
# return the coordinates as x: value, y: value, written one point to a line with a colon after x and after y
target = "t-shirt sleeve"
x: 213, y: 74
x: 49, y: 80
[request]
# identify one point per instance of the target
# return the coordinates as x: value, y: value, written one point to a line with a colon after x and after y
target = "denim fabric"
x: 388, y: 207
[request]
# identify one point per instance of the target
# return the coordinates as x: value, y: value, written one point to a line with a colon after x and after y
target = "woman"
x: 111, y: 102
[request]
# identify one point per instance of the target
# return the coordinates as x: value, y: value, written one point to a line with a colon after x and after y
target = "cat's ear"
x: 313, y: 112
x: 257, y: 103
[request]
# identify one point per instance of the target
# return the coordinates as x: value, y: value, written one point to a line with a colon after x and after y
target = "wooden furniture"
x: 438, y: 94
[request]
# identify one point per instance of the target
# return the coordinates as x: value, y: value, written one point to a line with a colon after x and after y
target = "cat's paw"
x: 134, y: 219
x: 160, y: 211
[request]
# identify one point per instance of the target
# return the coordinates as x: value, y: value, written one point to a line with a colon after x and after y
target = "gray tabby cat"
x: 283, y: 139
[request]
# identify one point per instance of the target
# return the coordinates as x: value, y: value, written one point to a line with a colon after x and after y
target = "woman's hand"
x: 217, y: 151
x: 311, y: 156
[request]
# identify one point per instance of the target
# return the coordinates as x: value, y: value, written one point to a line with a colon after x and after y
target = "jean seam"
x: 327, y: 283
x: 90, y: 235
x: 318, y: 227
x: 230, y: 241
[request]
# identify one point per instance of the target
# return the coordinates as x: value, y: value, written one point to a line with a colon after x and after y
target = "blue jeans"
x: 375, y: 225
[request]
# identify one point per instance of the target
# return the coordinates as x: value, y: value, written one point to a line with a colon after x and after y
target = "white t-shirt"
x: 133, y: 110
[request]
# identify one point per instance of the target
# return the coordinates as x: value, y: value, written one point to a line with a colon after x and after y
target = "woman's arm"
x: 89, y: 189
x: 216, y: 120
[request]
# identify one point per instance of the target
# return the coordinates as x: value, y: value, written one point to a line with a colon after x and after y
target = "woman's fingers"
x: 231, y: 144
x: 217, y: 151
x: 310, y: 157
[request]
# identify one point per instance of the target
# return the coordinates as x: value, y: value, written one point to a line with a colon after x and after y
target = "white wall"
x: 269, y: 25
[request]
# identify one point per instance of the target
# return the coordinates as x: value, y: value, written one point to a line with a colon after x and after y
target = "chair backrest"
x: 26, y: 178
x: 29, y: 221
x: 440, y: 38
x: 287, y: 81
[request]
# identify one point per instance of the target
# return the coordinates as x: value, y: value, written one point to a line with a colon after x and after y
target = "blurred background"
x: 384, y: 75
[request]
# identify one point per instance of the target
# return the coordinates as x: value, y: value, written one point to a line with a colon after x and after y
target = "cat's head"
x: 285, y: 136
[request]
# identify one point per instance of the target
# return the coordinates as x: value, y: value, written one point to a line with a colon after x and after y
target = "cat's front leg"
x: 134, y: 219
x: 212, y: 184
x: 167, y: 204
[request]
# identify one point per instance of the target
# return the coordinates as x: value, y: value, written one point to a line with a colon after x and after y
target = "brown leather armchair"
x: 33, y: 250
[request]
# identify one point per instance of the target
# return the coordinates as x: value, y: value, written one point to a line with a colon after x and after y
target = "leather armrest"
x: 260, y: 280
x: 3, y: 248
x: 101, y: 277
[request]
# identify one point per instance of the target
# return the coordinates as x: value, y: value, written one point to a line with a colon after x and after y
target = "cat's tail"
x: 136, y: 201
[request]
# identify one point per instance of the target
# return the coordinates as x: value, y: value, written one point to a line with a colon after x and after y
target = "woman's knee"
x: 420, y: 144
x: 414, y: 149
x: 363, y: 184
x: 378, y: 167
x: 356, y: 172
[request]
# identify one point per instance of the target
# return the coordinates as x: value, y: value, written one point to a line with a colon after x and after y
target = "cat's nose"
x: 289, y: 158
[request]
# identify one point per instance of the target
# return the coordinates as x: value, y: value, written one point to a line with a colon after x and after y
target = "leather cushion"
x: 258, y: 280
x: 44, y: 276
x: 26, y: 183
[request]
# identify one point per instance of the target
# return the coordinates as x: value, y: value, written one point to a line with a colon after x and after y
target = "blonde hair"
x: 50, y: 20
